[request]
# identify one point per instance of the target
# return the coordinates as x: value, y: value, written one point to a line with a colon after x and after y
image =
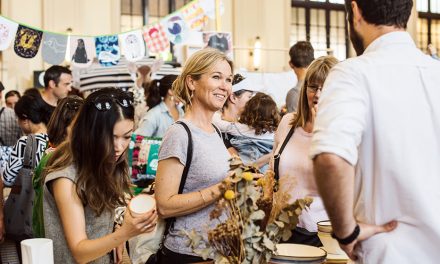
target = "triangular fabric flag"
x: 7, y: 32
x: 107, y: 50
x: 176, y: 28
x: 209, y: 7
x: 54, y: 48
x: 27, y: 42
x: 132, y: 45
x: 156, y: 38
x: 194, y: 15
x: 82, y: 51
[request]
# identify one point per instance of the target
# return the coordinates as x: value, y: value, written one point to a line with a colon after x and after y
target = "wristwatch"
x: 352, y: 237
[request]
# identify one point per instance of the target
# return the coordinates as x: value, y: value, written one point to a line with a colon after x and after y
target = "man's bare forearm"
x: 335, y: 179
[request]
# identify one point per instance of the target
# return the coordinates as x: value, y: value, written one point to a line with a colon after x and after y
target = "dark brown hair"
x: 61, y: 118
x: 261, y: 113
x: 101, y: 181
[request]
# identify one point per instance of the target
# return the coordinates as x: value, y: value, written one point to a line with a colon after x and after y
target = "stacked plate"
x: 298, y: 254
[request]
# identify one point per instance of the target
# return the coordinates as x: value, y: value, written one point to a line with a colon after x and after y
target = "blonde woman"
x: 203, y: 86
x: 292, y: 143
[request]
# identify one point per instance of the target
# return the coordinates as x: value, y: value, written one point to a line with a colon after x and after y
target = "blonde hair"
x: 198, y: 64
x: 317, y: 72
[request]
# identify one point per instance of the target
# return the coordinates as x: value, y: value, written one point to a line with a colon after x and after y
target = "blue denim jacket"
x: 250, y: 149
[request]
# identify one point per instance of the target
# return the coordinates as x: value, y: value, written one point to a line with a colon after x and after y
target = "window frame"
x: 327, y: 6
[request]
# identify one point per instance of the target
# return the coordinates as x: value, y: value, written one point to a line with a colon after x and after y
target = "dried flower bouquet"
x: 258, y: 216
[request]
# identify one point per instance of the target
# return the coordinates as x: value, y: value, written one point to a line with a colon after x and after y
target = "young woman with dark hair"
x: 163, y: 109
x: 32, y: 118
x: 63, y: 115
x: 87, y: 177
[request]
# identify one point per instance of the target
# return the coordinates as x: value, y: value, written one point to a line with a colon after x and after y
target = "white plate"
x: 299, y: 252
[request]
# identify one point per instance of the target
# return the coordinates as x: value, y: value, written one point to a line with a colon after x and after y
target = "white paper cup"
x: 37, y: 251
x: 141, y: 204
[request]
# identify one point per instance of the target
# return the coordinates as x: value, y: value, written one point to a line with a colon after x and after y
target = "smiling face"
x: 213, y: 87
x: 121, y: 136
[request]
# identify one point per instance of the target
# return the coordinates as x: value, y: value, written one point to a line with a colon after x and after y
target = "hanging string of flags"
x: 108, y: 49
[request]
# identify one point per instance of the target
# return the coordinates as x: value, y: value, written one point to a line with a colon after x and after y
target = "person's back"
x: 392, y: 94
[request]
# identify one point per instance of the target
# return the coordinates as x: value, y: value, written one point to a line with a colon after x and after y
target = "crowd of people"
x: 346, y: 141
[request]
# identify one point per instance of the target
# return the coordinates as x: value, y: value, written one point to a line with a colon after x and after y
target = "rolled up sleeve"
x: 342, y: 114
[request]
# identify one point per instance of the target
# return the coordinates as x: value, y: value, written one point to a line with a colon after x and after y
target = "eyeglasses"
x: 314, y: 88
x: 104, y: 102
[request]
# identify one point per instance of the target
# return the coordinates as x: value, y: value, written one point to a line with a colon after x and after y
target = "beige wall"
x: 85, y: 17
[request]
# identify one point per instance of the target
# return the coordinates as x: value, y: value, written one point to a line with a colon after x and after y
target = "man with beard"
x: 376, y: 147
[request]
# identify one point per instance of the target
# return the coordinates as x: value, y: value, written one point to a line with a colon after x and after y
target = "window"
x: 322, y: 22
x: 428, y: 24
x: 136, y: 13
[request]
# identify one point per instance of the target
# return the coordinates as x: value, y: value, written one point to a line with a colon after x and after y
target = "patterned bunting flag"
x: 176, y: 29
x: 54, y: 48
x: 7, y: 32
x: 107, y: 50
x: 82, y: 51
x: 133, y: 45
x: 156, y: 38
x: 27, y: 41
x: 194, y: 16
x: 208, y: 7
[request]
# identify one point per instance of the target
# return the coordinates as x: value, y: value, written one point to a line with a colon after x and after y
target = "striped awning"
x: 97, y: 77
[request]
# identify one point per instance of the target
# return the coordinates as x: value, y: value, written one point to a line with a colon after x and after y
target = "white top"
x: 381, y: 113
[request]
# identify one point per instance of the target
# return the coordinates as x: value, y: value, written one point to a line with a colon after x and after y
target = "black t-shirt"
x: 220, y: 43
x: 49, y: 108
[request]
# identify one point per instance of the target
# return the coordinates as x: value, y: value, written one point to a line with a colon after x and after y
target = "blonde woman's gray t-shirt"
x: 209, y: 166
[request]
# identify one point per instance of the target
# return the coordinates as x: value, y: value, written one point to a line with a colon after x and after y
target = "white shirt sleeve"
x: 342, y: 114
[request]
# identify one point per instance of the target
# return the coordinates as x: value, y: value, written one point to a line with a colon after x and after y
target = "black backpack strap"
x: 278, y: 155
x: 30, y: 155
x: 218, y: 131
x: 189, y: 154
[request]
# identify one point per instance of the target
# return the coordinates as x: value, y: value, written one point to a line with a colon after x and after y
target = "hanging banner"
x: 54, y: 48
x: 156, y: 38
x: 132, y: 45
x: 107, y: 50
x: 82, y: 51
x: 7, y: 32
x: 194, y: 16
x: 176, y: 29
x: 27, y: 42
x: 208, y: 7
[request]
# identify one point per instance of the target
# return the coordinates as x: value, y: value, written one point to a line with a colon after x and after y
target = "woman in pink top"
x: 291, y: 148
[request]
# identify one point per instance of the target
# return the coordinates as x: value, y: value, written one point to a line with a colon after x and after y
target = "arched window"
x: 323, y: 23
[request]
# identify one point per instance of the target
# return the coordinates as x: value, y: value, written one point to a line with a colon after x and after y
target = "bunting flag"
x: 208, y: 7
x: 156, y: 38
x: 7, y: 32
x: 82, y: 51
x: 27, y: 42
x: 107, y: 50
x: 132, y: 45
x: 194, y: 16
x: 54, y: 48
x: 175, y: 28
